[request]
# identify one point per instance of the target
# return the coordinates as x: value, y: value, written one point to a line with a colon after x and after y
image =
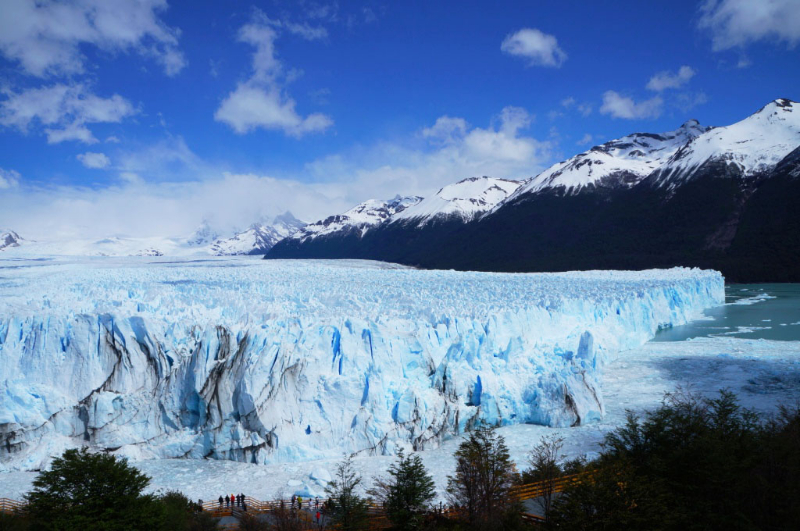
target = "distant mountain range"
x: 256, y: 240
x: 718, y: 197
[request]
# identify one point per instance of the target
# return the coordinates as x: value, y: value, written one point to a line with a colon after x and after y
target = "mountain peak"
x: 9, y: 238
x: 622, y: 162
x: 361, y: 217
x: 288, y: 220
x: 748, y: 147
x: 465, y: 199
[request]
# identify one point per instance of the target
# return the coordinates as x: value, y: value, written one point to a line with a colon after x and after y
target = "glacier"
x: 280, y: 361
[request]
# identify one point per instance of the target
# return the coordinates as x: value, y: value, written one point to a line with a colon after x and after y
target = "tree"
x: 694, y: 463
x: 407, y: 494
x: 545, y: 469
x: 483, y: 479
x: 90, y: 491
x: 250, y: 522
x: 177, y: 511
x: 611, y: 497
x: 284, y: 519
x: 349, y: 509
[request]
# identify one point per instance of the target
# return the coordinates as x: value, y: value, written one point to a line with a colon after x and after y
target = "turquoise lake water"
x: 752, y: 311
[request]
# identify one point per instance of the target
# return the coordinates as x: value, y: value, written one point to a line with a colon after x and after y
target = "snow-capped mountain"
x: 259, y: 238
x: 749, y: 147
x: 204, y: 241
x: 360, y: 218
x: 721, y: 197
x: 9, y: 239
x: 204, y: 235
x: 619, y: 163
x: 464, y: 200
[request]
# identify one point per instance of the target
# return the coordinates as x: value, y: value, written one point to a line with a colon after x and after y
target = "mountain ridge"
x: 621, y: 217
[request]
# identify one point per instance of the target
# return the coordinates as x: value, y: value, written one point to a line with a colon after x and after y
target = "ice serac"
x: 265, y: 361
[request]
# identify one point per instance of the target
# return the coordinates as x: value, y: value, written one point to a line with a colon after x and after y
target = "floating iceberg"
x: 267, y: 361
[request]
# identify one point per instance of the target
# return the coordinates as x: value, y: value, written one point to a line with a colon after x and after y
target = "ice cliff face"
x: 266, y: 361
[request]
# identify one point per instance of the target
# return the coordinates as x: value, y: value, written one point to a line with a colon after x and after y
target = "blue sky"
x: 148, y: 117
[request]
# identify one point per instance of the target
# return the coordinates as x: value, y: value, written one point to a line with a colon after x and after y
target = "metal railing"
x: 10, y: 506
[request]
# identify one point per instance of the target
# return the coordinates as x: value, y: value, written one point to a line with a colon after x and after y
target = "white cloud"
x: 446, y: 129
x: 8, y: 179
x: 63, y: 109
x: 94, y: 160
x: 540, y: 49
x: 687, y: 101
x: 112, y: 140
x: 619, y: 106
x: 737, y: 23
x: 262, y: 101
x: 228, y: 201
x: 174, y: 189
x: 250, y: 106
x: 585, y: 139
x: 46, y: 37
x: 455, y: 150
x: 584, y: 108
x: 130, y: 177
x: 667, y: 80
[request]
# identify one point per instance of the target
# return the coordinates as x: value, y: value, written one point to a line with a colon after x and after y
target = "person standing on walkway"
x: 227, y: 502
x: 220, y: 502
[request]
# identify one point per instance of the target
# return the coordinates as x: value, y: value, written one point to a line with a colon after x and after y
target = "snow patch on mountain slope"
x: 9, y: 239
x: 753, y: 145
x: 465, y: 200
x: 622, y: 162
x: 265, y: 361
x: 362, y: 217
x: 204, y: 241
x: 259, y: 238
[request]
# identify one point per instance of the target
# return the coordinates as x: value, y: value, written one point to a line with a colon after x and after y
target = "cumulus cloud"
x: 227, y: 202
x: 455, y: 150
x: 250, y: 107
x: 63, y: 110
x: 446, y: 129
x: 262, y: 100
x: 737, y: 23
x: 94, y: 160
x: 174, y: 190
x: 585, y: 139
x: 668, y: 80
x: 45, y: 37
x: 618, y: 106
x: 538, y: 48
x: 8, y: 179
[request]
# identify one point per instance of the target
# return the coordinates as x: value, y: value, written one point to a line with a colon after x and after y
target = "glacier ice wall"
x: 264, y: 361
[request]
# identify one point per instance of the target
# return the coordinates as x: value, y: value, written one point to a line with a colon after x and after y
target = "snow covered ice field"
x: 283, y: 366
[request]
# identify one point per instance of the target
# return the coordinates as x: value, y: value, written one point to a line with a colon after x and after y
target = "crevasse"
x: 265, y: 361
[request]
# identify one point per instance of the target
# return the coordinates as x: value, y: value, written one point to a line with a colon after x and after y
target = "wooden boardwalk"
x: 377, y: 514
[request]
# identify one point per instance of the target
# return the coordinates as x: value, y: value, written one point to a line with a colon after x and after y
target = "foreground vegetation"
x: 692, y: 464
